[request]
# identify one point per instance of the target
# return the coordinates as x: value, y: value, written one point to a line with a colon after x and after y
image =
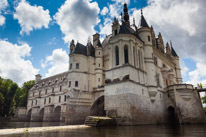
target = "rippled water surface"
x: 126, y: 131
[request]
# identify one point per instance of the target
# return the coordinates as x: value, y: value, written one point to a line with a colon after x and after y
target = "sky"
x: 35, y: 34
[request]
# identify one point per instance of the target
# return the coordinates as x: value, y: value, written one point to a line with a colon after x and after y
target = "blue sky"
x: 35, y: 34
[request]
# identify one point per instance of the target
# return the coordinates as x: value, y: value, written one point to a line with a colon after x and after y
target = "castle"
x: 131, y: 76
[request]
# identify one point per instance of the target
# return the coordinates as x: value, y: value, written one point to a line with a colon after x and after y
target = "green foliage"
x: 12, y: 96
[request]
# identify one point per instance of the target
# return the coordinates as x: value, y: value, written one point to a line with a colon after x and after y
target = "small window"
x: 49, y: 100
x: 77, y: 65
x: 99, y: 65
x: 45, y: 101
x: 149, y: 38
x: 33, y: 94
x: 70, y: 83
x: 46, y: 91
x: 99, y: 79
x: 155, y: 60
x: 52, y: 90
x: 76, y: 84
x: 160, y: 95
x: 142, y: 91
x: 36, y: 102
x: 99, y: 53
x: 70, y: 66
x: 115, y: 32
x: 168, y: 95
x: 32, y: 103
x: 65, y: 98
x: 59, y: 99
x: 39, y: 93
x: 60, y: 88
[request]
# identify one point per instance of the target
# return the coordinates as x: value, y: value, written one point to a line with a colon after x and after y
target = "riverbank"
x: 40, y: 129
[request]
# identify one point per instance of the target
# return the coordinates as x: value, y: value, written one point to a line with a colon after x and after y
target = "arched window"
x: 117, y: 55
x: 126, y: 59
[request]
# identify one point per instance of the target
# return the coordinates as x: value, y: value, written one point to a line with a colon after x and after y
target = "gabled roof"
x: 90, y: 49
x: 80, y: 49
x: 125, y: 29
x: 143, y: 22
x: 173, y: 52
x: 99, y: 44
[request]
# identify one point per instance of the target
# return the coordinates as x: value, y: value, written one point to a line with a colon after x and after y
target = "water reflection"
x: 29, y: 124
x: 126, y: 131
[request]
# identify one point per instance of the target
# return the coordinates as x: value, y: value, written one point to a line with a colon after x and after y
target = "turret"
x: 175, y: 59
x: 160, y: 43
x: 98, y: 61
x: 144, y: 32
x: 72, y: 46
x: 37, y: 78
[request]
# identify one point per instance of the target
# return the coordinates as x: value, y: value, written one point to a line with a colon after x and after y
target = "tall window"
x: 59, y: 99
x: 70, y: 66
x: 76, y: 84
x: 126, y: 59
x: 134, y: 56
x: 52, y: 90
x: 139, y: 59
x: 117, y: 55
x: 65, y: 98
x: 46, y: 91
x: 77, y: 65
x: 32, y: 103
x: 149, y: 38
x: 115, y: 32
x: 60, y: 88
x: 70, y: 83
x: 49, y: 100
x: 45, y: 101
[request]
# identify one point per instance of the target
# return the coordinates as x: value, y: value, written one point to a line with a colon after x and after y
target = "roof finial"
x: 141, y: 12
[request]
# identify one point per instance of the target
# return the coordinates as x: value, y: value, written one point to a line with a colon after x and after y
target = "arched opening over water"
x: 172, y: 116
x: 56, y: 114
x: 29, y: 114
x: 97, y: 108
x: 41, y: 114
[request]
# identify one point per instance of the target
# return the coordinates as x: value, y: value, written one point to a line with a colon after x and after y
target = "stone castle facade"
x: 131, y: 76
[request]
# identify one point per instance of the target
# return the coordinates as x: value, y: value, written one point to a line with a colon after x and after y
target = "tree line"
x: 13, y: 96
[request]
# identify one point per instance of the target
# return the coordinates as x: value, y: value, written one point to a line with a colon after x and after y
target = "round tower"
x: 98, y: 61
x: 144, y: 32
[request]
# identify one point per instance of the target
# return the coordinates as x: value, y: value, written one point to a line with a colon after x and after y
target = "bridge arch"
x: 97, y: 108
x: 41, y: 114
x: 172, y: 115
x: 56, y: 114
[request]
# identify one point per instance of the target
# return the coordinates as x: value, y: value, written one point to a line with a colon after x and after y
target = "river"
x: 121, y: 131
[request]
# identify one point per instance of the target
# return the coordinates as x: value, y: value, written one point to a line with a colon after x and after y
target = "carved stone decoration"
x: 152, y: 95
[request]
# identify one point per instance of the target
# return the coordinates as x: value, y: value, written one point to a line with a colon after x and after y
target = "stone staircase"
x: 91, y: 121
x: 95, y: 121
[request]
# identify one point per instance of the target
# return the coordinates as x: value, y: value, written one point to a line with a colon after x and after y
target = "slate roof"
x: 143, y: 22
x: 125, y: 29
x: 80, y: 49
x: 99, y: 44
x: 173, y: 52
x: 84, y: 50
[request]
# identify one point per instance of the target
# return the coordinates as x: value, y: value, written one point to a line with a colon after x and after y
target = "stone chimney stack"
x: 37, y: 78
x: 95, y: 39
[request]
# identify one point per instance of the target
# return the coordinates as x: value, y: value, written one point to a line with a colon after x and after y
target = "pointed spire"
x: 173, y: 52
x: 126, y: 15
x: 143, y: 22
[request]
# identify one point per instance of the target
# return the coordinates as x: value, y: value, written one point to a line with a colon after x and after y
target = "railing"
x: 203, y: 86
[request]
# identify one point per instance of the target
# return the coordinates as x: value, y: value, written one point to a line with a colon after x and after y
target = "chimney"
x: 95, y: 39
x: 37, y: 78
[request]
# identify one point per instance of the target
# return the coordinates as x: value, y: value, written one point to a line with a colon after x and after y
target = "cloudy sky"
x: 35, y: 34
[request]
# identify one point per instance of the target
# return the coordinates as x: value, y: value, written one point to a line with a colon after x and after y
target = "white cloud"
x: 104, y: 11
x: 31, y: 17
x: 2, y: 20
x: 58, y: 62
x: 77, y: 19
x: 13, y: 63
x: 184, y: 69
x: 3, y: 4
x: 198, y: 75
